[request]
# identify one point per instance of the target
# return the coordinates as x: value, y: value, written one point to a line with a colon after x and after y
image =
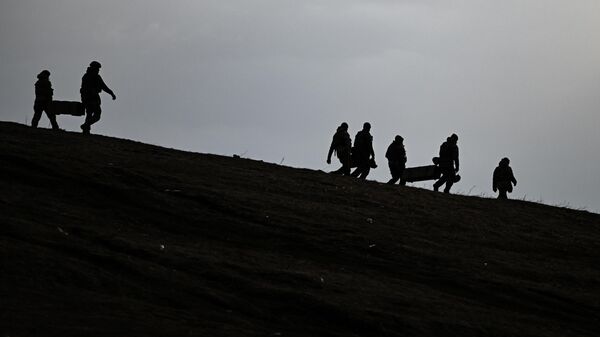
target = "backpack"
x: 445, y: 151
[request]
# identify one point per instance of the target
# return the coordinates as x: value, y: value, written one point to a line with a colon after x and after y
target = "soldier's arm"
x: 107, y: 89
x: 512, y: 177
x: 456, y: 163
x: 329, y: 155
x: 331, y: 147
x: 372, y: 151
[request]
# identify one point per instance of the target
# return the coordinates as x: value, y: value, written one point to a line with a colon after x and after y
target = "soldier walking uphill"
x: 448, y: 162
x: 503, y: 179
x: 43, y: 99
x: 362, y: 153
x: 91, y: 86
x: 396, y: 156
x: 341, y: 144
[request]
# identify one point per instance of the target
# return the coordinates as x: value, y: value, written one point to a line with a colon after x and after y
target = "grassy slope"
x: 255, y: 249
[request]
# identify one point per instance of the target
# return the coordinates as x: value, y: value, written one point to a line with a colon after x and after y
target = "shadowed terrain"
x: 109, y: 237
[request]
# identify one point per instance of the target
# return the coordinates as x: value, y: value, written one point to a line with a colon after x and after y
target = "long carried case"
x: 67, y: 108
x: 420, y: 173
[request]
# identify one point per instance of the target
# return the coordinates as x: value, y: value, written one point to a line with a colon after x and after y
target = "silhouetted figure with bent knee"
x: 43, y: 100
x: 341, y: 144
x: 396, y: 156
x: 363, y: 154
x: 503, y: 179
x: 91, y: 86
x: 448, y: 163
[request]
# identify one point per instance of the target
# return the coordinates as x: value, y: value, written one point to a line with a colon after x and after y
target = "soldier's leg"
x: 449, y: 184
x: 394, y: 173
x: 85, y: 127
x: 450, y: 176
x: 345, y: 160
x: 395, y: 178
x: 365, y: 172
x: 359, y: 172
x: 348, y: 165
x: 360, y: 166
x: 400, y: 175
x: 346, y: 169
x: 96, y: 114
x: 92, y: 115
x: 444, y: 179
x: 51, y: 117
x: 440, y: 182
x: 88, y: 114
x: 502, y: 194
x: 37, y: 114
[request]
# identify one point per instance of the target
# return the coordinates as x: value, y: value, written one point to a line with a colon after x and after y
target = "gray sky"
x: 274, y: 78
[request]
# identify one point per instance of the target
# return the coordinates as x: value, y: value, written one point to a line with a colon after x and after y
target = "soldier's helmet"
x: 43, y: 74
x: 367, y: 126
x: 95, y: 65
x: 399, y: 139
x: 344, y: 126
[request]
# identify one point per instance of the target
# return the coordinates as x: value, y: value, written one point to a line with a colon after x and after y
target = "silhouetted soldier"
x: 91, y: 86
x: 396, y: 156
x: 341, y: 144
x: 448, y: 163
x: 362, y: 153
x: 503, y: 179
x: 43, y: 99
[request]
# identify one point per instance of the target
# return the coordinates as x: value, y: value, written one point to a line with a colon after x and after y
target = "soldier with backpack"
x: 91, y: 87
x: 503, y: 179
x: 396, y: 156
x: 448, y: 164
x: 341, y: 144
x: 363, y: 154
x: 43, y: 100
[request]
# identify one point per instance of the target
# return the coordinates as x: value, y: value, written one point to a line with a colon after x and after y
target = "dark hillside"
x: 109, y: 237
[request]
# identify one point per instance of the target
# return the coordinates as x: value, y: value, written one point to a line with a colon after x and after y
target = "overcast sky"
x: 272, y: 79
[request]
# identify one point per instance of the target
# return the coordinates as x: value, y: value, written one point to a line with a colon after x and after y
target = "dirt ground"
x: 108, y: 237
